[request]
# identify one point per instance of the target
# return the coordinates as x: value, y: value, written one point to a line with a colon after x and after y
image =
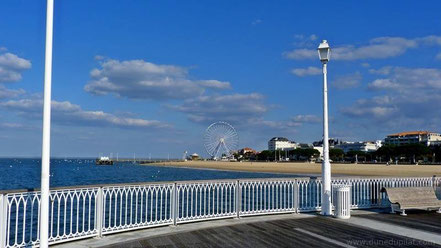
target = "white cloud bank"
x: 377, y: 48
x: 139, y: 79
x: 11, y: 67
x: 234, y: 108
x: 311, y: 70
x: 410, y: 98
x: 71, y: 114
x: 347, y: 81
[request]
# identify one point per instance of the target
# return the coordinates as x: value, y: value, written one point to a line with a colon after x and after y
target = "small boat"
x: 103, y: 161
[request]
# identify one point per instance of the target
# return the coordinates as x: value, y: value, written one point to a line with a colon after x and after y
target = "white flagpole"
x: 45, y: 154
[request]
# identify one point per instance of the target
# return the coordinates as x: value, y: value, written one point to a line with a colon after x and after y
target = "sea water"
x: 19, y: 173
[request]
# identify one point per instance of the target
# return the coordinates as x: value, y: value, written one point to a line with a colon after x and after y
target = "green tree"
x: 336, y: 154
x: 413, y: 152
x: 304, y: 153
x: 266, y: 155
x: 387, y: 152
x: 359, y: 155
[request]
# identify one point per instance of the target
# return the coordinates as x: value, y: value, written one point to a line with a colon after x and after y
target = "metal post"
x: 295, y: 196
x: 3, y: 220
x: 45, y: 154
x: 99, y: 212
x: 326, y: 166
x: 238, y: 199
x: 174, y: 204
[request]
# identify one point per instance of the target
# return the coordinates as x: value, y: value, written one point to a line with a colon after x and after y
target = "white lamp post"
x: 45, y: 154
x: 324, y: 53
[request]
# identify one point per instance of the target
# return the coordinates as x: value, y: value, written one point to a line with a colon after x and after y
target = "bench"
x: 412, y: 198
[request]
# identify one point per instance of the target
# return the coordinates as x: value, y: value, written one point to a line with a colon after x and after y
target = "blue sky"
x: 150, y: 76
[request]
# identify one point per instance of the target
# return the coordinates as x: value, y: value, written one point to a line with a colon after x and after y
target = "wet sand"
x: 314, y: 168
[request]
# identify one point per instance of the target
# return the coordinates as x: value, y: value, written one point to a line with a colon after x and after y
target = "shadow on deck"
x: 364, y: 229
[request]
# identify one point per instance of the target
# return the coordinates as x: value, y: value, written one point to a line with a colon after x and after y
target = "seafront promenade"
x: 373, y: 228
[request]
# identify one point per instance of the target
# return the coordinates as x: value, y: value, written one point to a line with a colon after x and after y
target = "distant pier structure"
x: 104, y: 161
x: 148, y: 161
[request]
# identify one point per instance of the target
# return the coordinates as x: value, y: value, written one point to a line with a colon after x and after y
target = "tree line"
x: 410, y: 153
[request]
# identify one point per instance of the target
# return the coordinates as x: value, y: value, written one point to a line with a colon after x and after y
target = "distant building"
x: 195, y: 156
x: 332, y: 142
x: 247, y: 150
x: 379, y: 143
x: 320, y: 149
x: 362, y: 146
x: 281, y: 143
x: 304, y: 145
x: 414, y: 137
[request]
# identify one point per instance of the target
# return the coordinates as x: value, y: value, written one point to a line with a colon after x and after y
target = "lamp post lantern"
x: 324, y: 52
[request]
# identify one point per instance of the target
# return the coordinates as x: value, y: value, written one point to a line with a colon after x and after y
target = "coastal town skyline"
x: 130, y: 79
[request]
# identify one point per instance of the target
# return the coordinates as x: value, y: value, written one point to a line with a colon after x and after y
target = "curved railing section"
x: 82, y: 212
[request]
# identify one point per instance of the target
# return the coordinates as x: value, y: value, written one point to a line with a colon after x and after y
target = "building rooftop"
x: 279, y: 139
x: 410, y: 133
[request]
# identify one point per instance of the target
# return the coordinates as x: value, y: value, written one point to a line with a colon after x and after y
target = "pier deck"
x: 364, y: 229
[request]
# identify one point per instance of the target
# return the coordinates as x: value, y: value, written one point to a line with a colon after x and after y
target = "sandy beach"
x: 314, y: 168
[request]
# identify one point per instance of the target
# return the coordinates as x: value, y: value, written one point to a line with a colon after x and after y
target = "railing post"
x: 434, y: 181
x: 295, y: 196
x: 99, y: 212
x: 174, y: 204
x: 238, y: 199
x: 3, y: 219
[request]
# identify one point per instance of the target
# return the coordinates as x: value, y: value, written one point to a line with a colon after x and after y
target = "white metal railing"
x: 264, y: 196
x: 135, y: 206
x: 205, y: 200
x: 76, y: 213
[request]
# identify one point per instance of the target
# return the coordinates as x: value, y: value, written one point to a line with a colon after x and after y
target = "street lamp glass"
x: 324, y: 51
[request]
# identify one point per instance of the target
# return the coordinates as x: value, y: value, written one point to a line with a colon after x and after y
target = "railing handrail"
x: 76, y: 187
x: 33, y: 190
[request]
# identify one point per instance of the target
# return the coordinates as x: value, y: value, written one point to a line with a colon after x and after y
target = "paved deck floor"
x: 364, y: 229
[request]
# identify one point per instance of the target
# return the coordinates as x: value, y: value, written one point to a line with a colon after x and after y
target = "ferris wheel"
x: 220, y: 140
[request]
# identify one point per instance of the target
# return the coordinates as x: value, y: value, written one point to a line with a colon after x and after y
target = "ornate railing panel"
x: 264, y: 196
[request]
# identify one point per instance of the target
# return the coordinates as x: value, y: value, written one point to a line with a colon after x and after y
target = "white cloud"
x: 407, y: 79
x: 306, y: 119
x: 235, y: 108
x: 430, y: 40
x: 382, y: 71
x: 377, y: 48
x: 383, y: 84
x: 71, y: 114
x: 305, y: 40
x: 410, y: 99
x: 214, y: 84
x: 313, y: 37
x: 10, y: 93
x: 377, y: 107
x: 257, y: 21
x: 245, y: 111
x: 11, y: 67
x: 139, y: 79
x: 347, y: 81
x: 301, y: 53
x: 311, y: 70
